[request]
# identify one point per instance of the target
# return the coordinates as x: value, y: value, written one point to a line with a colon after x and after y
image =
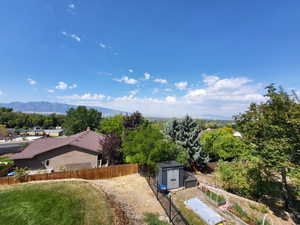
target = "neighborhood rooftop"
x: 88, y: 140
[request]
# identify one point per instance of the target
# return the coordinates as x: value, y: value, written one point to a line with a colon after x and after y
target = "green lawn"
x: 54, y: 203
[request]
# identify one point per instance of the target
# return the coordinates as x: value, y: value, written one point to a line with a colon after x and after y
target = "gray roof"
x: 167, y: 164
x: 88, y: 140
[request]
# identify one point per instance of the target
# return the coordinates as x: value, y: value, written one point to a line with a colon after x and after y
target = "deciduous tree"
x: 112, y: 125
x: 272, y: 128
x: 81, y: 118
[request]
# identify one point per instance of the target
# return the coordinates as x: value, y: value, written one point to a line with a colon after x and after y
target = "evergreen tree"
x: 186, y: 133
x: 172, y: 129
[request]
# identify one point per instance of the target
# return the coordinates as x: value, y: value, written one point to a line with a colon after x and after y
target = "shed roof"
x: 89, y: 140
x: 167, y: 164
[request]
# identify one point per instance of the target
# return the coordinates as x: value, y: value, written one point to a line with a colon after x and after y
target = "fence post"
x: 157, y: 190
x: 170, y: 202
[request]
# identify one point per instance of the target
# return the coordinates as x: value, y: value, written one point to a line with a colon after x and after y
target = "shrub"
x: 153, y: 219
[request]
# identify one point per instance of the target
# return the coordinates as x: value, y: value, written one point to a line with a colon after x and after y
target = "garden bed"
x: 238, y: 211
x: 216, y: 199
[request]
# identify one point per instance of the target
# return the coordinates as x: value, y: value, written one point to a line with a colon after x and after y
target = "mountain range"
x: 50, y: 107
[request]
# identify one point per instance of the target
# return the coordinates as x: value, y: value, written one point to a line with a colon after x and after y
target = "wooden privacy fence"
x: 89, y: 174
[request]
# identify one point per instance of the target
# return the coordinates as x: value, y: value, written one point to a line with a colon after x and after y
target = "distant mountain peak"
x: 44, y: 107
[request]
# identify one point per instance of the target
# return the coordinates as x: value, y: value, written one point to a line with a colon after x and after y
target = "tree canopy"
x: 147, y: 145
x: 133, y: 121
x: 29, y: 120
x: 222, y: 144
x: 272, y: 130
x: 81, y: 118
x: 112, y: 125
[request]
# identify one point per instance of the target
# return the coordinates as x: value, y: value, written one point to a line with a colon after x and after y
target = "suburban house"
x: 79, y: 151
x: 40, y: 132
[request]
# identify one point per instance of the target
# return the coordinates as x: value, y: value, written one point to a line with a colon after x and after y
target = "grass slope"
x: 59, y: 203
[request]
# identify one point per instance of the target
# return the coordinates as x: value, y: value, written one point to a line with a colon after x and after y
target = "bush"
x: 5, y: 163
x: 243, y: 177
x: 153, y: 219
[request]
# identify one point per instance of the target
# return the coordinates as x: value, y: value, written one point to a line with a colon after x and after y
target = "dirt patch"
x: 133, y: 195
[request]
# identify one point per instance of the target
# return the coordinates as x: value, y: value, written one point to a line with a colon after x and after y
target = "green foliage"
x: 215, y: 197
x: 81, y: 118
x: 21, y: 173
x: 221, y: 144
x: 3, y: 131
x: 241, y: 213
x: 153, y: 219
x: 185, y: 133
x: 133, y: 121
x: 272, y: 128
x: 295, y: 177
x: 243, y: 177
x: 146, y: 145
x: 112, y: 125
x: 26, y: 120
x: 5, y: 163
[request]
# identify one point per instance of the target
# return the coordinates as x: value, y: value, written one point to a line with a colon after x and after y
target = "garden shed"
x: 170, y: 174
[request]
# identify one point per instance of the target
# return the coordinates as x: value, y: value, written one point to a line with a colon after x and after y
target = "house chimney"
x: 88, y: 129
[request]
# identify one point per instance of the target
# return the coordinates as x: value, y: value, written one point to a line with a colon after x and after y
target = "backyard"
x: 59, y: 203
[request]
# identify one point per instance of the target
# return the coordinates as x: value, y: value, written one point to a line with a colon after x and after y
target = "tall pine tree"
x: 186, y: 132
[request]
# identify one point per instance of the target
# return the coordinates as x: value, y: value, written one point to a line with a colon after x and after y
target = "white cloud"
x: 162, y: 81
x: 181, y: 85
x: 102, y: 45
x: 168, y: 89
x: 63, y: 86
x: 31, y: 81
x: 1, y: 92
x: 73, y: 86
x: 228, y: 89
x: 75, y: 37
x: 170, y: 99
x: 210, y: 79
x: 50, y: 91
x: 130, y: 70
x: 218, y: 98
x: 147, y: 76
x: 87, y: 96
x: 126, y: 80
x: 134, y: 92
x: 71, y: 6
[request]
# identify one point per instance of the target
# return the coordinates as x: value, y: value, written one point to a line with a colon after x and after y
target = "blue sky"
x: 163, y: 58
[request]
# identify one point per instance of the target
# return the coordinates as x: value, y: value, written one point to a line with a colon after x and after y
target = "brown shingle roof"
x: 89, y: 140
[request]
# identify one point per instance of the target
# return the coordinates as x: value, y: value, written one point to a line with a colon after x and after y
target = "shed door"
x: 173, y: 178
